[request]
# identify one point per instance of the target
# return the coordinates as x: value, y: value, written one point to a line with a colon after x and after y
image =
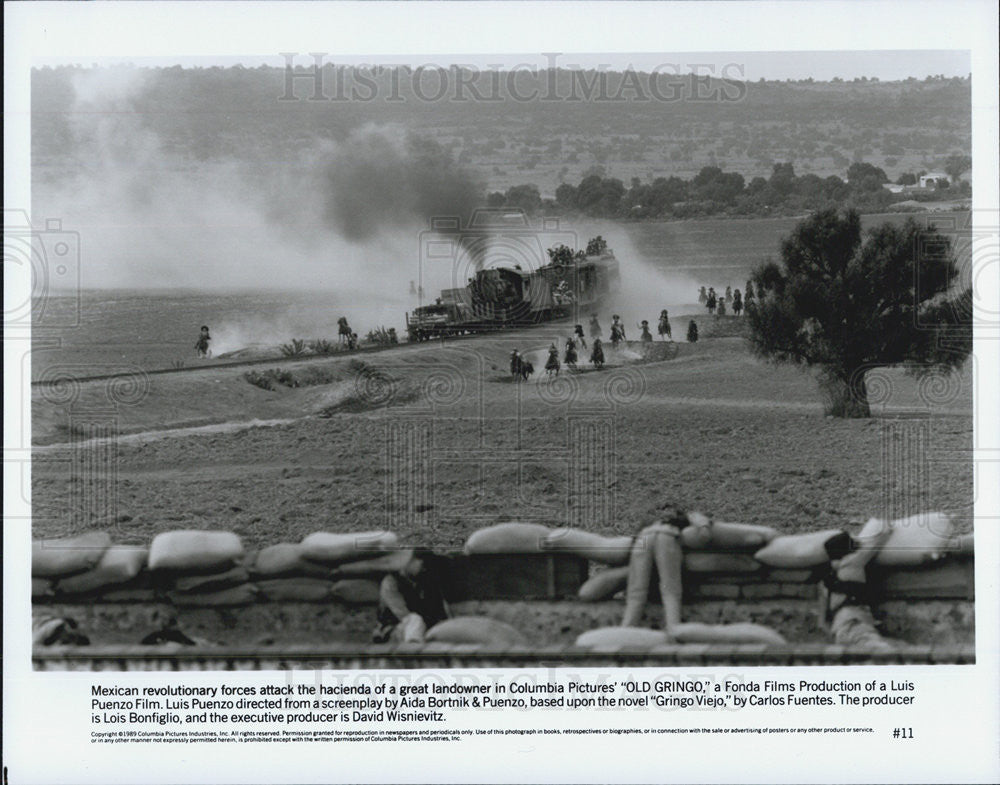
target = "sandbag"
x: 604, y: 584
x: 738, y: 536
x: 356, y: 591
x: 119, y: 564
x: 476, y: 629
x: 742, y: 632
x: 612, y: 638
x: 330, y: 547
x: 696, y: 537
x: 285, y: 559
x: 40, y: 587
x: 194, y: 551
x: 913, y: 541
x: 613, y: 551
x: 381, y: 565
x: 56, y: 558
x: 295, y: 589
x: 243, y: 594
x: 707, y: 561
x: 796, y: 550
x: 508, y: 538
x: 128, y: 594
x: 213, y: 581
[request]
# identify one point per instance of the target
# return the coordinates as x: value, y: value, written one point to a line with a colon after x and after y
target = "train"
x: 572, y: 285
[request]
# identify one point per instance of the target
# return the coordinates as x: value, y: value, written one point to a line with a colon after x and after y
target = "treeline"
x: 715, y: 192
x: 236, y: 111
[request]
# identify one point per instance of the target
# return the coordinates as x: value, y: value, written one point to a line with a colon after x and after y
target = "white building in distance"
x: 930, y: 179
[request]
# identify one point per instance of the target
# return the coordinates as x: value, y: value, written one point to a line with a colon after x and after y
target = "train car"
x: 502, y: 297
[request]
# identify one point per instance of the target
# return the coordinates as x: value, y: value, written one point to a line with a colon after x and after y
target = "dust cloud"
x: 349, y: 219
x: 345, y: 218
x: 647, y: 286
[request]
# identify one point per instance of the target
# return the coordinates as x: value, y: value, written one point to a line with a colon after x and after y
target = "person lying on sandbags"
x: 49, y: 630
x: 170, y: 632
x: 411, y: 600
x: 659, y: 546
x: 845, y: 594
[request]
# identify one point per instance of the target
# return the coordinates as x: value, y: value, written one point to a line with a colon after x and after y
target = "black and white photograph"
x: 499, y: 359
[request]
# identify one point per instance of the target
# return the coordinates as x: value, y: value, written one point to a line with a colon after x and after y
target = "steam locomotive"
x: 571, y: 286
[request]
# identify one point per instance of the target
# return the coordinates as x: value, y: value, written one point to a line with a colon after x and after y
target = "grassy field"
x: 120, y: 331
x: 724, y: 251
x: 711, y: 429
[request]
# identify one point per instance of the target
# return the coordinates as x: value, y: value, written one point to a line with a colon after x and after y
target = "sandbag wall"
x: 505, y: 562
x: 211, y: 569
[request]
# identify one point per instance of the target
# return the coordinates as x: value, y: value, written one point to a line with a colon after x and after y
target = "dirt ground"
x: 434, y: 441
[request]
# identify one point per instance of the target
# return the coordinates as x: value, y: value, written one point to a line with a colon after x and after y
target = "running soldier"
x: 617, y: 331
x: 595, y: 327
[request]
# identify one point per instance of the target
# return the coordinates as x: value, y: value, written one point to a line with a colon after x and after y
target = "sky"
x: 886, y: 65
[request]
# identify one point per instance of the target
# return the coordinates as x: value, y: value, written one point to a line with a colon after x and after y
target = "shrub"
x: 267, y: 380
x: 322, y: 346
x: 262, y: 380
x: 293, y: 349
x: 381, y: 335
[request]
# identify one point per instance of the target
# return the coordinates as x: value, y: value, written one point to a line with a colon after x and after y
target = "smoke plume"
x: 379, y: 178
x: 344, y: 218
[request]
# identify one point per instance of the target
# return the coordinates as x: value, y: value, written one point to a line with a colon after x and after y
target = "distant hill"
x: 631, y: 124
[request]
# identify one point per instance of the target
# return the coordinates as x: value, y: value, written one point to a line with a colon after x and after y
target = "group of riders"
x: 346, y: 337
x: 718, y: 304
x: 521, y: 368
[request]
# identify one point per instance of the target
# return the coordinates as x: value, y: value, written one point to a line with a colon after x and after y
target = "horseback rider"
x: 597, y: 354
x: 343, y: 330
x: 570, y: 356
x: 552, y: 364
x: 515, y: 365
x: 203, y: 340
x: 663, y: 327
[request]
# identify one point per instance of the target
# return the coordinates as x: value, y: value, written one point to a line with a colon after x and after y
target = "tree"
x: 847, y: 304
x: 566, y: 195
x: 783, y: 178
x: 957, y: 165
x: 859, y: 171
x: 525, y: 197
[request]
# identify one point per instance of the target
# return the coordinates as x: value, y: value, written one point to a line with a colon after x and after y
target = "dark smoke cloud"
x: 379, y: 180
x: 343, y: 216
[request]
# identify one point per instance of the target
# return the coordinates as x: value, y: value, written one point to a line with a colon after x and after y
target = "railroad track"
x: 367, y: 350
